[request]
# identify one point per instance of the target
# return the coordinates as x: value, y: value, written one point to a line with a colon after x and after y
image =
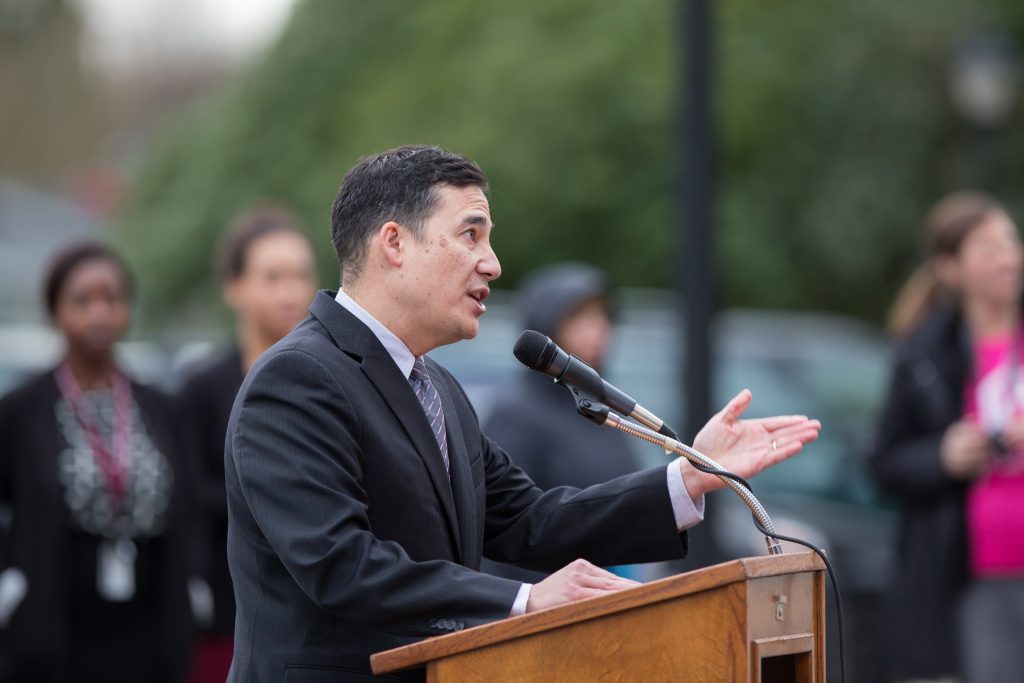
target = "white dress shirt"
x: 687, y: 512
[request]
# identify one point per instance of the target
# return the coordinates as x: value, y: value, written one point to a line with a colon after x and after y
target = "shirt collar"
x: 395, y: 347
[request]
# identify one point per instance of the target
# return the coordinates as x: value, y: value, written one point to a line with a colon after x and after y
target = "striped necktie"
x: 427, y: 394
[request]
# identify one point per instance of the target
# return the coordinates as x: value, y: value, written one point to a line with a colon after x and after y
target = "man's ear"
x: 391, y: 241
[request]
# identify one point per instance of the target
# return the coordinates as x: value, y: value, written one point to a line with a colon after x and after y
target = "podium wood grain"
x: 712, y: 624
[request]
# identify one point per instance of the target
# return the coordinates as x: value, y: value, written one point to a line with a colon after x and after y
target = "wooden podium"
x: 758, y: 619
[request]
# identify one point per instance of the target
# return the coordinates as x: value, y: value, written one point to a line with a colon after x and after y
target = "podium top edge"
x: 696, y: 581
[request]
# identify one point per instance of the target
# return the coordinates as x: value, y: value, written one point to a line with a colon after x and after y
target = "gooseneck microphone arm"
x: 596, y: 399
x: 700, y: 462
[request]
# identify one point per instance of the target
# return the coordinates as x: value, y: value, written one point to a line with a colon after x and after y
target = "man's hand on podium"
x: 745, y: 447
x: 575, y: 581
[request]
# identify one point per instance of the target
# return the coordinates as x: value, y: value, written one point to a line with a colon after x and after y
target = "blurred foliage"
x: 50, y: 110
x: 835, y: 135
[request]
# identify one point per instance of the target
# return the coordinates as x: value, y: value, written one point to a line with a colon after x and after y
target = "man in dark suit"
x: 361, y: 491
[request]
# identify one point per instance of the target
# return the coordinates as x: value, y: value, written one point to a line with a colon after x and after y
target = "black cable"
x: 722, y: 473
x: 820, y: 553
x: 835, y: 589
x: 669, y: 432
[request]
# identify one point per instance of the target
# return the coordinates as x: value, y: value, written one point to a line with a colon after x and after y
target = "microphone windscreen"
x: 529, y: 349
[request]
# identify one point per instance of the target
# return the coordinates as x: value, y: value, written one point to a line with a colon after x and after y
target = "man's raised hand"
x: 745, y: 447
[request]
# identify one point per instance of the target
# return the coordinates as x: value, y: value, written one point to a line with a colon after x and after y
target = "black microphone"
x: 537, y: 352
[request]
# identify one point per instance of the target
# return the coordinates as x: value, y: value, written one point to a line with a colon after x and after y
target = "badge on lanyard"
x: 115, y: 558
x: 115, y: 569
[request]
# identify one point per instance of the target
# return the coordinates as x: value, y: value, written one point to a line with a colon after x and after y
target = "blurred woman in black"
x: 89, y: 470
x: 951, y: 449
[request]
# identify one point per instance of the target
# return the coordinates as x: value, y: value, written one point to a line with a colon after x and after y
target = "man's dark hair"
x: 397, y: 185
x: 249, y: 226
x: 74, y: 255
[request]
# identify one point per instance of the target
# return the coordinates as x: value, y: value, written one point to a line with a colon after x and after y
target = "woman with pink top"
x: 950, y: 447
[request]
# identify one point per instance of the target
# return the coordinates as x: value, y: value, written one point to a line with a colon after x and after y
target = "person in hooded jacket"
x: 538, y: 424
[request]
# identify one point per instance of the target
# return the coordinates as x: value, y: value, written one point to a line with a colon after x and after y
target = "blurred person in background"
x: 96, y: 556
x: 267, y: 271
x: 950, y: 447
x: 538, y: 424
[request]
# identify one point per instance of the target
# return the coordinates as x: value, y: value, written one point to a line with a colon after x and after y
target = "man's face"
x: 446, y: 271
x: 278, y: 283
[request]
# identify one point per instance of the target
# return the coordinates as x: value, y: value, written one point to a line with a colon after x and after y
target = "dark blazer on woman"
x: 204, y: 408
x: 36, y: 643
x: 918, y: 628
x: 346, y: 536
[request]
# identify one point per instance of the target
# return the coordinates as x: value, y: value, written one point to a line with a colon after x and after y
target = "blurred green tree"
x: 835, y: 135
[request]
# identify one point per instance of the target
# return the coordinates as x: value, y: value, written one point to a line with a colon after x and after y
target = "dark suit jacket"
x: 346, y: 536
x: 917, y: 635
x: 204, y: 406
x: 539, y: 428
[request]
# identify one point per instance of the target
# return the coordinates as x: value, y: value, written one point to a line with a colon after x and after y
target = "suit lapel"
x: 382, y: 371
x: 462, y: 478
x: 351, y: 335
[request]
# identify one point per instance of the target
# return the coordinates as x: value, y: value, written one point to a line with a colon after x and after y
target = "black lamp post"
x: 694, y: 265
x: 696, y: 197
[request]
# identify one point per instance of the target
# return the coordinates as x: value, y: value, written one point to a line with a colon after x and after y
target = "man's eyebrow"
x: 477, y: 219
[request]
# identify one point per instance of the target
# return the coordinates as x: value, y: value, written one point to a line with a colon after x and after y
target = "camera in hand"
x: 997, y: 445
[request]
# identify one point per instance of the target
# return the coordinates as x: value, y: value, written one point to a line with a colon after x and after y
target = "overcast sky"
x: 128, y: 34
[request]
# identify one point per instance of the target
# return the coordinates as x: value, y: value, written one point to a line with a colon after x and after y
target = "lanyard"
x: 114, y: 462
